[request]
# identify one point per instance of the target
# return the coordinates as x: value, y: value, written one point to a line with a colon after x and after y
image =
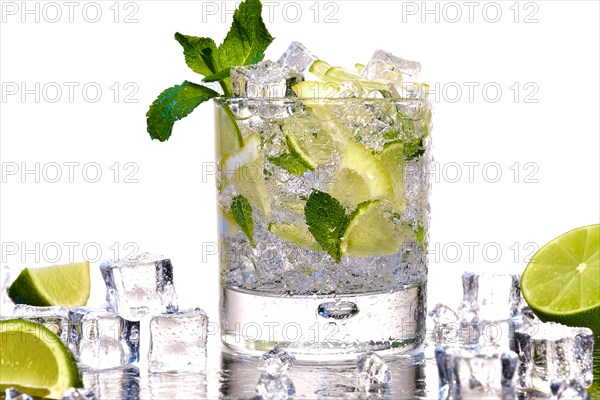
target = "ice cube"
x: 373, y: 370
x: 352, y: 89
x: 495, y: 296
x: 570, y: 389
x: 266, y: 79
x: 554, y: 352
x: 269, y: 388
x: 178, y: 342
x: 117, y: 383
x: 55, y: 318
x: 13, y: 394
x: 102, y: 339
x: 445, y: 324
x: 79, y: 394
x: 276, y: 362
x: 478, y: 372
x: 297, y: 58
x: 139, y: 286
x: 7, y: 276
x: 385, y: 67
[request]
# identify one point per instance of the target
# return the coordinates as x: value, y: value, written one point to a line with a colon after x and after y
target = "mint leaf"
x: 290, y: 163
x: 326, y: 220
x: 413, y: 148
x: 199, y: 53
x: 242, y: 213
x: 223, y: 74
x: 172, y: 105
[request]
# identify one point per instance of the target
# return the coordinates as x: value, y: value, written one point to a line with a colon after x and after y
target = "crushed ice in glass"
x: 373, y: 370
x: 265, y: 79
x: 54, y: 318
x: 296, y: 58
x: 178, y: 342
x: 276, y: 362
x: 139, y: 286
x: 270, y: 388
x: 102, y: 339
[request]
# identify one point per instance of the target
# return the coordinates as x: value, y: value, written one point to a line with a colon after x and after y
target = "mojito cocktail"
x: 323, y: 207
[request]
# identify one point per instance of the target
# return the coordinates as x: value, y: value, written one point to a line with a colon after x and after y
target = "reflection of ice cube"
x: 269, y: 388
x: 176, y: 386
x: 475, y: 373
x: 54, y: 318
x: 385, y: 67
x: 79, y: 394
x: 570, y: 389
x: 276, y: 362
x: 118, y: 383
x: 101, y: 339
x: 554, y: 352
x: 373, y: 370
x: 266, y: 79
x: 13, y: 394
x: 495, y: 296
x: 139, y: 285
x: 296, y: 58
x: 445, y: 324
x: 178, y: 342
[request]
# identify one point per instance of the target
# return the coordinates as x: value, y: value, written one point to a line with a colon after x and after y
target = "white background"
x: 543, y: 55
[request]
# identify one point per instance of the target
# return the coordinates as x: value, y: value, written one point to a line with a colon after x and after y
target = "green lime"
x: 244, y: 170
x: 360, y: 169
x: 229, y: 138
x: 561, y: 283
x: 318, y: 68
x: 368, y: 233
x: 392, y: 158
x: 33, y: 360
x: 294, y: 234
x: 58, y: 285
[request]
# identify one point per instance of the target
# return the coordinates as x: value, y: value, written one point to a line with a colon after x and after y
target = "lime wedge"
x: 244, y: 170
x: 229, y: 138
x: 34, y: 360
x: 392, y: 159
x: 58, y: 285
x: 368, y: 233
x: 359, y: 169
x: 561, y: 283
x: 359, y: 67
x: 319, y: 68
x: 294, y: 234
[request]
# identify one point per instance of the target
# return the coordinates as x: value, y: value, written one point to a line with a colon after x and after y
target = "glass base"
x: 324, y: 328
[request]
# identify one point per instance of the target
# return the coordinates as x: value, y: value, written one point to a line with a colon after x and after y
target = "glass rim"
x: 325, y: 100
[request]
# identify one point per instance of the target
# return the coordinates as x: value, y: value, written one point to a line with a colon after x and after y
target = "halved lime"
x: 59, y: 285
x: 359, y: 169
x: 294, y: 234
x: 561, y: 283
x: 368, y: 233
x: 244, y: 170
x: 392, y: 158
x: 33, y: 360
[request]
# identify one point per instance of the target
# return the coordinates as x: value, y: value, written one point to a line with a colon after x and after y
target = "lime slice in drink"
x: 319, y: 68
x: 392, y: 159
x: 561, y: 283
x: 359, y: 67
x: 359, y: 169
x: 33, y: 360
x: 294, y: 234
x: 368, y: 233
x: 244, y: 170
x: 229, y: 138
x: 58, y: 285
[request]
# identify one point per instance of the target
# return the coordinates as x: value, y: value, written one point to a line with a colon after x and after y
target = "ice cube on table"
x: 478, y: 372
x: 269, y: 388
x: 386, y: 67
x: 13, y: 394
x: 54, y: 318
x: 276, y: 362
x: 102, y: 339
x: 554, y: 352
x: 178, y: 342
x: 139, y: 286
x: 297, y: 58
x: 267, y: 79
x: 373, y: 370
x: 117, y: 383
x: 446, y: 324
x: 495, y: 296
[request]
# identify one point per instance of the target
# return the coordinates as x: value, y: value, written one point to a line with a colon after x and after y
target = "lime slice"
x: 319, y: 68
x: 392, y: 159
x: 368, y: 233
x: 244, y: 170
x: 339, y: 75
x: 359, y: 169
x: 34, y: 360
x: 294, y: 234
x: 561, y: 283
x: 359, y: 67
x: 59, y: 285
x: 229, y: 138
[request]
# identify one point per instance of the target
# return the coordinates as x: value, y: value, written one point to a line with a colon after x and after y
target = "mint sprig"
x: 242, y: 213
x: 326, y: 220
x: 244, y: 44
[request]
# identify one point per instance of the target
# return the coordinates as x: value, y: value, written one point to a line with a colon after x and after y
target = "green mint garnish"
x: 291, y: 163
x: 413, y: 148
x: 244, y: 44
x: 242, y: 213
x: 326, y: 220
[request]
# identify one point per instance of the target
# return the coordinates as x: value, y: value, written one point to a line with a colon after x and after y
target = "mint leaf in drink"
x: 242, y: 213
x: 291, y: 163
x: 172, y: 105
x: 413, y: 148
x: 326, y: 220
